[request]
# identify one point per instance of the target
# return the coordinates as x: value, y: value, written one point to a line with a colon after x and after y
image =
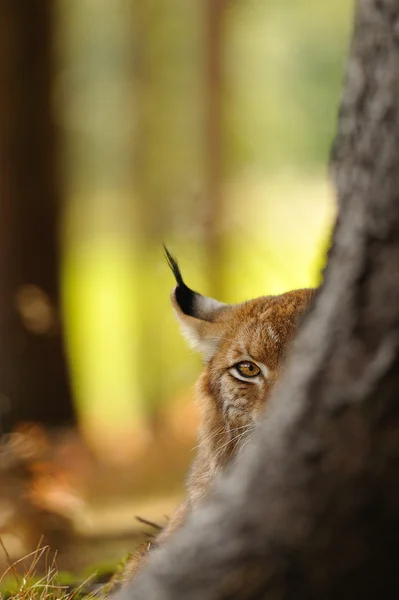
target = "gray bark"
x: 311, y: 508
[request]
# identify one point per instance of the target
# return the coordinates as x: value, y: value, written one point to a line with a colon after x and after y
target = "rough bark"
x: 311, y: 509
x: 33, y: 373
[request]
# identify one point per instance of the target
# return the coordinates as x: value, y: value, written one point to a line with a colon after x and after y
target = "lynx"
x: 243, y: 348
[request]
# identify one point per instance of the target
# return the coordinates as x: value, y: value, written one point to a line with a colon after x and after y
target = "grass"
x: 53, y: 585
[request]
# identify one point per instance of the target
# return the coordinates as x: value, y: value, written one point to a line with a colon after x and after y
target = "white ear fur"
x: 198, y: 330
x: 206, y: 346
x: 205, y: 306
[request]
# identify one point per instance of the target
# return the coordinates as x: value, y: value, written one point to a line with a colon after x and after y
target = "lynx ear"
x: 196, y: 313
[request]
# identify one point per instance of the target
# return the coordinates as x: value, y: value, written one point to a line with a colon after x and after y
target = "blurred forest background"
x: 204, y: 124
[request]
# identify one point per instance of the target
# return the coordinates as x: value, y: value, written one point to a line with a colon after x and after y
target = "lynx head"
x: 243, y: 347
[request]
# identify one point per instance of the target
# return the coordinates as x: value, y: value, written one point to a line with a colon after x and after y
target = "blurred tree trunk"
x: 154, y: 184
x: 179, y: 159
x: 213, y: 146
x: 33, y: 373
x: 167, y: 167
x: 312, y: 507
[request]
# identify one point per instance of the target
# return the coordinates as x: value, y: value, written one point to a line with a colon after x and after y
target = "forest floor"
x: 67, y: 518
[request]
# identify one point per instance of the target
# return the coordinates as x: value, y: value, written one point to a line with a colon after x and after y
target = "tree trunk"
x: 33, y: 374
x: 311, y: 509
x: 215, y: 12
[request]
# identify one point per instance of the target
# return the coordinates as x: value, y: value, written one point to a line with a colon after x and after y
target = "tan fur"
x: 259, y: 330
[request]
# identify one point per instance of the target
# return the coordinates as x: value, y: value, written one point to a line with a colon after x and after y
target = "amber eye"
x: 247, y: 368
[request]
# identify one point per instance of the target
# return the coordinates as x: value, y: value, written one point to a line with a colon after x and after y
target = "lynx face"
x: 243, y: 347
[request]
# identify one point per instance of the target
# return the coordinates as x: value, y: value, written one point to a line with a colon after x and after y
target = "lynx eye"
x: 247, y: 369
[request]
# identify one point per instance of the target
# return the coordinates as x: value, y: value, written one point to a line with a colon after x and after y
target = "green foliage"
x: 285, y: 68
x: 132, y: 108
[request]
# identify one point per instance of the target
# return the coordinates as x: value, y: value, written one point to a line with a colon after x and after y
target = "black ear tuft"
x: 184, y: 296
x: 172, y: 262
